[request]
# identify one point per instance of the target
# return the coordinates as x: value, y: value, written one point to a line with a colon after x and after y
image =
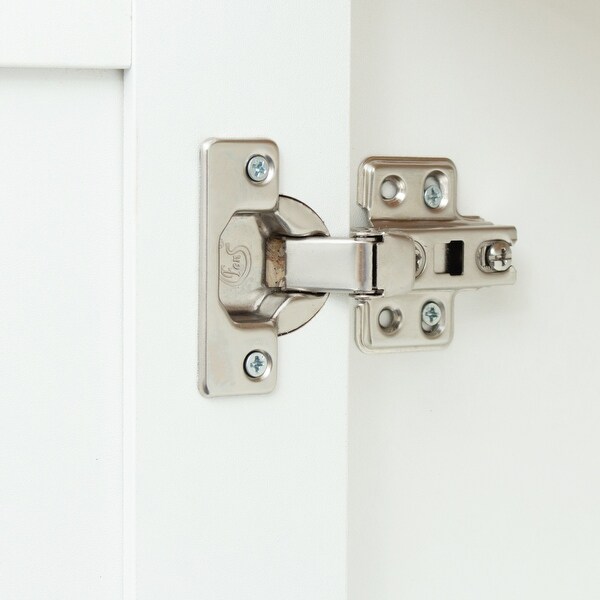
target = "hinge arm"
x: 366, y: 264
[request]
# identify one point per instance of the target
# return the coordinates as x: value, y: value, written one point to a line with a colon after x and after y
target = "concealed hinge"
x: 267, y: 262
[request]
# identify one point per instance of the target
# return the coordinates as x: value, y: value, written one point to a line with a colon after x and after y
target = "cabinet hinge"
x: 267, y: 263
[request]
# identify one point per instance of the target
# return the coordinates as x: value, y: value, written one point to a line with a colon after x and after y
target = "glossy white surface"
x: 60, y: 332
x: 474, y: 471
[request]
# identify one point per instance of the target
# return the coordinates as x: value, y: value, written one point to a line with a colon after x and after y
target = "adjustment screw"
x: 498, y: 256
x: 431, y: 314
x: 419, y: 259
x: 433, y: 196
x: 256, y: 364
x: 258, y: 168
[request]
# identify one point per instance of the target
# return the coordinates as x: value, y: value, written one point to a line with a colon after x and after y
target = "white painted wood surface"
x: 474, y: 472
x: 65, y: 33
x: 60, y: 334
x: 242, y: 497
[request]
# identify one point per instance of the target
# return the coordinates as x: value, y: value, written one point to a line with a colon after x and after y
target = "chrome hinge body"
x: 268, y: 264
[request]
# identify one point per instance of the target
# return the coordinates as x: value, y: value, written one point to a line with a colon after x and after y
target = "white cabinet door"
x: 236, y: 497
x: 474, y: 471
x: 60, y: 334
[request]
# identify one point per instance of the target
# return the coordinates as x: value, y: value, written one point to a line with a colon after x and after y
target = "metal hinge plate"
x: 267, y: 263
x: 451, y: 252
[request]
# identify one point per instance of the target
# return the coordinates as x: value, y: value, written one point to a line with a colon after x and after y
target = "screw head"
x: 420, y: 259
x: 431, y: 314
x: 256, y: 364
x: 433, y: 196
x: 498, y: 256
x: 258, y: 168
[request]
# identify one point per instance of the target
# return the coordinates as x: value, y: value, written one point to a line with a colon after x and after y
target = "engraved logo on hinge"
x: 235, y: 263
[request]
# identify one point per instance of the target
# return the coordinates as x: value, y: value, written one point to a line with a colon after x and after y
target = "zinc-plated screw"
x: 420, y: 259
x: 433, y: 196
x: 498, y: 256
x: 256, y: 364
x: 258, y: 168
x: 431, y: 314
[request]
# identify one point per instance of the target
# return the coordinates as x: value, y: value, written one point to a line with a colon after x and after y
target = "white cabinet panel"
x: 65, y: 33
x: 60, y: 334
x: 239, y: 498
x: 474, y: 471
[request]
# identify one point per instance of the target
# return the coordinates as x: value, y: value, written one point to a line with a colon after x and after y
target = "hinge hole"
x: 393, y: 190
x: 389, y: 320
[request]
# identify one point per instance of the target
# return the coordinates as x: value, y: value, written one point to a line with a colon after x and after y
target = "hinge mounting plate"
x: 450, y: 251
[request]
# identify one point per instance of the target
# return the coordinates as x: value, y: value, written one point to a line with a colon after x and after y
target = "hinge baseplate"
x: 417, y: 196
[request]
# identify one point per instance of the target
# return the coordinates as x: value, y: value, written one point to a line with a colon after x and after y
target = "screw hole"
x: 389, y: 320
x: 393, y: 190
